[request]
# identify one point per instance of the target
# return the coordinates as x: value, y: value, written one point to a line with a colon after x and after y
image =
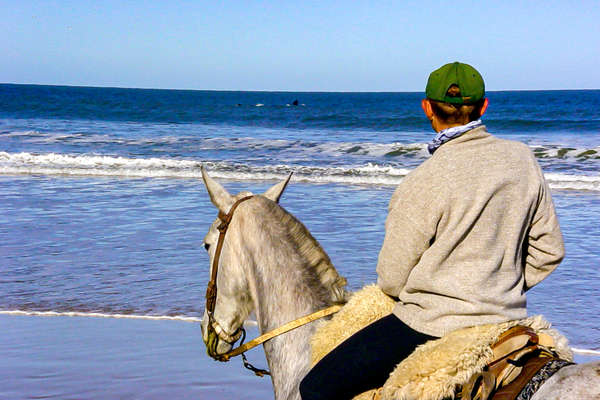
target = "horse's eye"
x: 206, y: 246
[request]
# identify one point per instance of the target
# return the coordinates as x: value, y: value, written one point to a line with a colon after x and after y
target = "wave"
x: 96, y: 165
x: 88, y: 165
x: 237, y: 139
x: 572, y: 153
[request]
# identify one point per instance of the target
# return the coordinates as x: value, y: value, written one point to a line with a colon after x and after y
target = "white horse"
x: 271, y: 265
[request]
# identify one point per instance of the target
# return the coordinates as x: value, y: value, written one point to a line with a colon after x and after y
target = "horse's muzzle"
x: 215, y: 346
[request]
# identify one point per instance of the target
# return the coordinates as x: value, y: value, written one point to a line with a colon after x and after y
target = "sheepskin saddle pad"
x: 435, y: 369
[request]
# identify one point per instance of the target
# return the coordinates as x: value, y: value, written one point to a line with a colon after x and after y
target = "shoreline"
x: 182, y: 318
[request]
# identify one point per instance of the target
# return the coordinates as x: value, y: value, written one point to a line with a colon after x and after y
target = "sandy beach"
x: 106, y: 358
x: 119, y: 358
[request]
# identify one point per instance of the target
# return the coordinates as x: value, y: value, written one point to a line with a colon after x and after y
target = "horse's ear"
x: 275, y: 192
x: 218, y: 194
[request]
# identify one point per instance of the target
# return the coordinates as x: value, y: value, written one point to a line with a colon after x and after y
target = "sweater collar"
x: 448, y: 134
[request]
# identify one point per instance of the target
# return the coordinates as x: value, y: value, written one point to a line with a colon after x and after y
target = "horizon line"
x: 278, y: 90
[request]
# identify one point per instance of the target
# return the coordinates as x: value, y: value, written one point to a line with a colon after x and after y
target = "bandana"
x: 448, y: 134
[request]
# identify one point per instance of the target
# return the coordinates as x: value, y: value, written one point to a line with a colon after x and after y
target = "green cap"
x: 470, y: 82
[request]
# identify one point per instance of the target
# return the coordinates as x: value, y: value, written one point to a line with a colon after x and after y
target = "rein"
x: 211, y: 300
x: 280, y: 330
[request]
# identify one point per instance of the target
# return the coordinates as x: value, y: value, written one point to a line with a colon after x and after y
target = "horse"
x: 271, y: 265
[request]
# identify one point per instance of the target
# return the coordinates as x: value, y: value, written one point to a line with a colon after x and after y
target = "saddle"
x: 519, y: 354
x: 484, y: 362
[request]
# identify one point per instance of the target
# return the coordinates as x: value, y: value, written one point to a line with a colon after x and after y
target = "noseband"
x: 211, y: 290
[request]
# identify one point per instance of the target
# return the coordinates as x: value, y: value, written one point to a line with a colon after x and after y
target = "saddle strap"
x: 513, y: 339
x: 529, y: 370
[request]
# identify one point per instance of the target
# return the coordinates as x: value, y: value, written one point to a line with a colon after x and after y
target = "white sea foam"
x: 569, y: 181
x: 586, y: 351
x: 23, y: 133
x: 568, y: 153
x: 96, y: 165
x: 182, y: 318
x: 99, y: 315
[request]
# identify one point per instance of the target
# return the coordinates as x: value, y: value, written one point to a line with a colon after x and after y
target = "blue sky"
x: 299, y: 45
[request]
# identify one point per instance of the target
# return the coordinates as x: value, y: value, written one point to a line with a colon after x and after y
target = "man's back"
x: 466, y: 217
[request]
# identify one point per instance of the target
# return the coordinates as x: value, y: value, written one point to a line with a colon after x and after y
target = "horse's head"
x: 221, y: 328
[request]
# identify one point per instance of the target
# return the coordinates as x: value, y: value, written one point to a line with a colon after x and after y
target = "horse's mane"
x: 310, y: 249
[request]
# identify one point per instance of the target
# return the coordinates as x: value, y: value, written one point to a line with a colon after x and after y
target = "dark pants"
x: 363, y: 361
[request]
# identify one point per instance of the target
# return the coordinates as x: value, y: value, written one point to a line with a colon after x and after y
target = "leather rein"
x: 211, y: 300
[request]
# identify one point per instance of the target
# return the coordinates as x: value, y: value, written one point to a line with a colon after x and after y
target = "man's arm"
x: 403, y: 246
x: 544, y: 249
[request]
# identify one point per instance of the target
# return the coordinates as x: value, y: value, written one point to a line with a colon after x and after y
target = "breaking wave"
x: 225, y: 138
x: 97, y: 165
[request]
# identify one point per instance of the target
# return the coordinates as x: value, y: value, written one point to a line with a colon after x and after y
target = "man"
x: 468, y: 233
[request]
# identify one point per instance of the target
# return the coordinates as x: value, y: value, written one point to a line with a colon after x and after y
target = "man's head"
x: 455, y: 96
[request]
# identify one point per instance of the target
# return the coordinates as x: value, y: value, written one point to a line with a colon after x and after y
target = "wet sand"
x: 99, y: 358
x: 107, y: 358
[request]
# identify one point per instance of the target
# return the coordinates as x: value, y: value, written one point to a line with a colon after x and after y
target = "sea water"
x: 103, y: 214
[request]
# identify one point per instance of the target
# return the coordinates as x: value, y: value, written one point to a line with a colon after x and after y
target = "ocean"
x: 103, y: 213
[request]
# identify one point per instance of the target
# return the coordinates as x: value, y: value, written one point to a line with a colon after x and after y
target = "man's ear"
x: 484, y: 107
x: 426, y: 106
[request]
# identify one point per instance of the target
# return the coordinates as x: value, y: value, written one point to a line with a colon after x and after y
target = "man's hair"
x: 456, y: 113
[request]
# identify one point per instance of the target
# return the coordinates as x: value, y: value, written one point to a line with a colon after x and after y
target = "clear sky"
x: 299, y: 45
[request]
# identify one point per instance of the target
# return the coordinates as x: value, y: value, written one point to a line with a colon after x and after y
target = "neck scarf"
x: 448, y: 134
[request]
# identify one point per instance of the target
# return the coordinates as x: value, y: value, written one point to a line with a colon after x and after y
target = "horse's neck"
x: 288, y: 357
x: 280, y: 296
x: 279, y: 299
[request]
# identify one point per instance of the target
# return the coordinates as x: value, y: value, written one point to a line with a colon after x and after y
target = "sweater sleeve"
x: 403, y: 245
x: 544, y: 247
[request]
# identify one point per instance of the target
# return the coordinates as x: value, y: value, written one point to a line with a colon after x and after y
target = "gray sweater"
x: 468, y: 233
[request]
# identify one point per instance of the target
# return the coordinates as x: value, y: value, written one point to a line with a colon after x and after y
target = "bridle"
x: 211, y: 289
x: 211, y: 299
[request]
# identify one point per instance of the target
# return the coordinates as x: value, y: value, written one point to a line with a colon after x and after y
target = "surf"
x: 73, y: 165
